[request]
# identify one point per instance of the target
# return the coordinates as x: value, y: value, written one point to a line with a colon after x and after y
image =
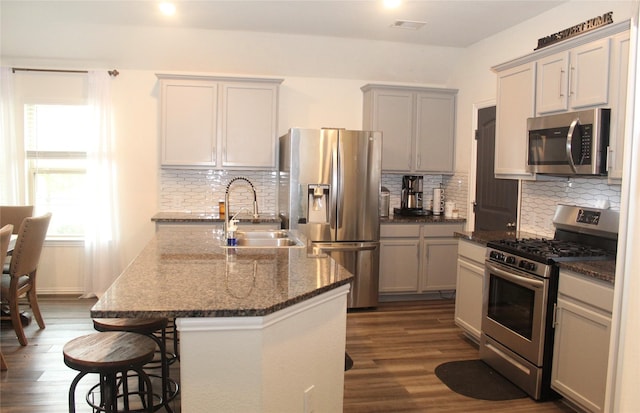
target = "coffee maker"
x: 411, y: 196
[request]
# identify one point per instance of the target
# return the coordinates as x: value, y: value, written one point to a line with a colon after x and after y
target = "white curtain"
x: 9, y: 173
x: 101, y: 237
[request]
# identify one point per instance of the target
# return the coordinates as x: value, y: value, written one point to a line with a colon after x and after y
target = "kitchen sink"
x: 263, y: 234
x: 266, y: 239
x: 268, y: 242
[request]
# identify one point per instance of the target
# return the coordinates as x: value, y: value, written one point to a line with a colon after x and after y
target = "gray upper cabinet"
x: 189, y: 110
x: 417, y: 125
x: 587, y: 71
x: 574, y: 79
x: 515, y: 104
x: 619, y: 89
x: 217, y: 122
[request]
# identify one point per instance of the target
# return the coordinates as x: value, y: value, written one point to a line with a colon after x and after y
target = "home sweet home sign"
x: 576, y: 30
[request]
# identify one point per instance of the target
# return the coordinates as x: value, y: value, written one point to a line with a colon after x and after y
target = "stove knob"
x: 511, y: 260
x: 497, y: 255
x: 530, y: 266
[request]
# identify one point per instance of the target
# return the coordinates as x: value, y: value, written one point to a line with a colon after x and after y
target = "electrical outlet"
x: 309, y: 406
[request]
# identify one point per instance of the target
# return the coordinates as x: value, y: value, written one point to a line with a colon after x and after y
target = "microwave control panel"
x: 584, y: 156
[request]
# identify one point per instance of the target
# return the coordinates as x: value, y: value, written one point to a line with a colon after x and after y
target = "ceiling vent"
x: 407, y: 25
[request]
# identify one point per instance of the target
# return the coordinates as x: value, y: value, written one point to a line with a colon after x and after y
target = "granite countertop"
x: 188, y: 273
x: 603, y: 270
x: 425, y: 219
x: 483, y: 237
x: 205, y: 217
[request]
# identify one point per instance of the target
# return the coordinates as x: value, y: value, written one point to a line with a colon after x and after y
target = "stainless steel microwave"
x: 573, y: 143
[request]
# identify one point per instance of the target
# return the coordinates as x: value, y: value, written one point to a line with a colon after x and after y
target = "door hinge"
x: 475, y: 207
x: 477, y: 134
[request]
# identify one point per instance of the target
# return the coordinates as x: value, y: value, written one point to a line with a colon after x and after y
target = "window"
x: 56, y: 157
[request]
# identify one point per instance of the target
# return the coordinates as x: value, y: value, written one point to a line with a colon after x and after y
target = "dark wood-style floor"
x: 395, y: 351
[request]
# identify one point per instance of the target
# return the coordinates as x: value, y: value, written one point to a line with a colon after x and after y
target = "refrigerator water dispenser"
x: 318, y: 205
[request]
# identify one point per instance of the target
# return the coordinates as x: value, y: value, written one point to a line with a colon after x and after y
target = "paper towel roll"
x: 438, y: 201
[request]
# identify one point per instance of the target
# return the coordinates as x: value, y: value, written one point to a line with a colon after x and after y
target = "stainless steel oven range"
x: 520, y: 292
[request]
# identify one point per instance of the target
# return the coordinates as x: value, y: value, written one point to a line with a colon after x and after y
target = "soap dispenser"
x: 231, y: 232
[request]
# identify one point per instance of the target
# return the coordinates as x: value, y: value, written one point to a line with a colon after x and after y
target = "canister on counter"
x: 384, y: 202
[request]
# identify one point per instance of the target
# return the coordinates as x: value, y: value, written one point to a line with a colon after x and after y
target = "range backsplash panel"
x: 539, y: 200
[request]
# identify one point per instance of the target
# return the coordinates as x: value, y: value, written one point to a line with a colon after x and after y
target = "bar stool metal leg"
x: 110, y: 354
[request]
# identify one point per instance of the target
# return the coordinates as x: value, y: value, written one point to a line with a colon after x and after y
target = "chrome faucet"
x: 226, y: 200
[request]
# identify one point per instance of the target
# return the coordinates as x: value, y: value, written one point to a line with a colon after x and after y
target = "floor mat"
x: 348, y: 362
x: 474, y: 378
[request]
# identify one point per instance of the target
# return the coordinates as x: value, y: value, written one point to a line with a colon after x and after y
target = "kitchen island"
x: 261, y: 329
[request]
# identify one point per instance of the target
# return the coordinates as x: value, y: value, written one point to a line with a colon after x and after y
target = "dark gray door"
x: 496, y: 205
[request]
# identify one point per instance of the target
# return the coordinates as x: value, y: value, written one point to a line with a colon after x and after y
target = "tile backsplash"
x: 199, y: 190
x: 455, y: 189
x: 539, y: 200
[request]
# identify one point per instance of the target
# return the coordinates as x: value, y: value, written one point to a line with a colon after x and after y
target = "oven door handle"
x: 524, y: 280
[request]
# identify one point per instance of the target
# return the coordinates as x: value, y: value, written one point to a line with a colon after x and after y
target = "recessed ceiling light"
x: 407, y: 24
x: 391, y: 4
x: 168, y: 9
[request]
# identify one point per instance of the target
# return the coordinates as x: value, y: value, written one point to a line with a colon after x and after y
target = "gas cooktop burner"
x: 551, y: 249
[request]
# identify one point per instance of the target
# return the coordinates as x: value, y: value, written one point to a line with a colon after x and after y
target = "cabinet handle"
x: 560, y: 83
x: 555, y: 312
x: 571, y: 76
x: 609, y: 157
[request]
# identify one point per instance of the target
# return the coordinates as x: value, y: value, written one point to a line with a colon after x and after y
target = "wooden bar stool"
x: 109, y: 354
x: 148, y: 327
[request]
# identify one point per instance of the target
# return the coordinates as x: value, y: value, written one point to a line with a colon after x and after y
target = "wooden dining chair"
x: 21, y: 278
x: 5, y: 236
x: 14, y: 215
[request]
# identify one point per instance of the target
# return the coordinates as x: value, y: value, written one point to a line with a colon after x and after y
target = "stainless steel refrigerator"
x: 329, y: 185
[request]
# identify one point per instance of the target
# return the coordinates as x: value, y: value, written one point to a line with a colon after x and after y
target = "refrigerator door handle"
x: 359, y: 246
x: 338, y: 184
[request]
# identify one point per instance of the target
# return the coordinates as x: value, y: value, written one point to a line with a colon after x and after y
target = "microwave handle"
x: 572, y: 129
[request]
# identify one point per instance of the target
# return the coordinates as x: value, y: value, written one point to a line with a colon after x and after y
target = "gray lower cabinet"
x: 399, y: 258
x: 470, y: 277
x: 439, y: 256
x: 582, y: 333
x: 417, y: 258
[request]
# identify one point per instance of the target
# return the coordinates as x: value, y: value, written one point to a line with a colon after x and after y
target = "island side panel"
x: 265, y: 364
